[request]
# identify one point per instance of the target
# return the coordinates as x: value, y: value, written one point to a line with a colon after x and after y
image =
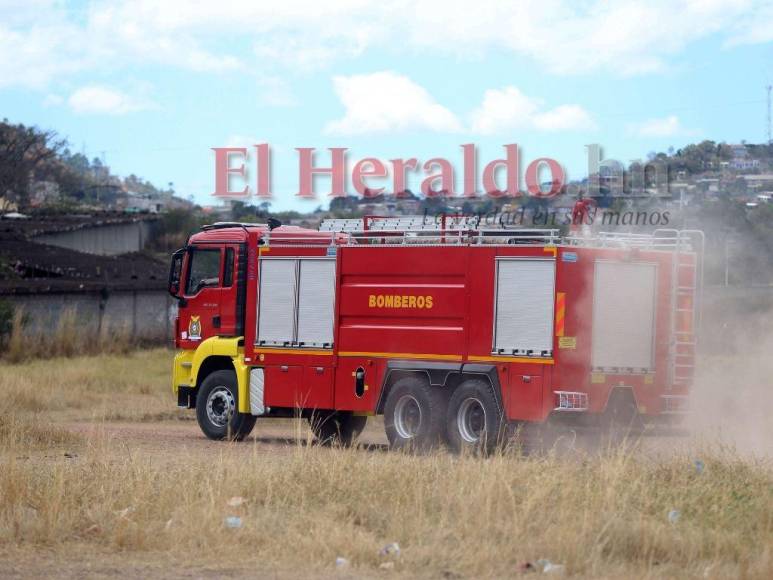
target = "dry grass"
x: 68, y: 339
x: 465, y: 516
x: 601, y: 516
x: 30, y: 432
x: 134, y: 386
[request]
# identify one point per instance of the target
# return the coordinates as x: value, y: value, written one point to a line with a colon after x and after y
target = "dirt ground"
x: 167, y: 439
x: 177, y: 440
x: 171, y: 441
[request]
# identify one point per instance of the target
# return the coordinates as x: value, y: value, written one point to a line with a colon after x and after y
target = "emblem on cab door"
x: 194, y: 328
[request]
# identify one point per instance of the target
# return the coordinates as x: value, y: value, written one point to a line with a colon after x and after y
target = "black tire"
x: 336, y: 427
x: 474, y: 422
x: 621, y: 421
x: 414, y: 415
x: 216, y: 408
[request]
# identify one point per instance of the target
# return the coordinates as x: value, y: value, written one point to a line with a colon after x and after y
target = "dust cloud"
x: 732, y: 396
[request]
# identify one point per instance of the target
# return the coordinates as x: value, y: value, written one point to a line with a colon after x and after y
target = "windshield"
x: 203, y: 270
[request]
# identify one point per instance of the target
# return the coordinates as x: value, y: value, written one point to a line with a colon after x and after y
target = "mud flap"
x: 257, y: 389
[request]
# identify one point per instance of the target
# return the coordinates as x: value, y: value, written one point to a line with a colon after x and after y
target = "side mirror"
x: 175, y: 273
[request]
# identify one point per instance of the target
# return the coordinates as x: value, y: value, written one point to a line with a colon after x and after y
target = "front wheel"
x: 474, y: 422
x: 217, y: 408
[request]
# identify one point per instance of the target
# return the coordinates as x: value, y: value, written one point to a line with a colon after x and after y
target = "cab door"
x: 233, y: 290
x: 199, y: 310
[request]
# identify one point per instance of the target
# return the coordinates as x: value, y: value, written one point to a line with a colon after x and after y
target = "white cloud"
x: 663, y: 127
x: 507, y: 109
x: 42, y: 41
x: 105, y: 101
x: 386, y: 101
x: 503, y: 109
x: 564, y: 118
x: 756, y: 27
x: 37, y: 44
x: 623, y: 37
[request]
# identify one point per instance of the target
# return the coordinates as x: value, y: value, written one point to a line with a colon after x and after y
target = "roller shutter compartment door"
x: 276, y: 314
x: 525, y: 297
x: 316, y: 302
x: 623, y: 316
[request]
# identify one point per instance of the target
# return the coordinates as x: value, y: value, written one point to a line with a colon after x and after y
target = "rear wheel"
x: 341, y: 427
x: 474, y: 422
x: 621, y: 421
x: 216, y: 408
x: 414, y: 414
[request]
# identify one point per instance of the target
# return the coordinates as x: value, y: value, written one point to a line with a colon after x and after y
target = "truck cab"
x: 208, y: 277
x: 208, y: 282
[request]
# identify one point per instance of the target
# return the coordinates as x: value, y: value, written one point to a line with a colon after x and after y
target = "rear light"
x: 571, y: 401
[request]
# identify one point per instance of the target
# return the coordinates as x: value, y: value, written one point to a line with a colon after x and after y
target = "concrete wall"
x: 142, y: 314
x: 107, y: 240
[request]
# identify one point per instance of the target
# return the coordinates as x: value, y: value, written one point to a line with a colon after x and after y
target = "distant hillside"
x: 37, y: 168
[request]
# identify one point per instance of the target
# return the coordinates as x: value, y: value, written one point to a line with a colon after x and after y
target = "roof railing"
x: 662, y: 239
x: 461, y: 230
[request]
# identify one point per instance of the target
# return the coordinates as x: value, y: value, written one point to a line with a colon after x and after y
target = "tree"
x: 174, y: 227
x: 344, y: 205
x: 23, y: 151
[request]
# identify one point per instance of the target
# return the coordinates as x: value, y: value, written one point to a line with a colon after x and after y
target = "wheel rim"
x: 220, y: 406
x: 471, y: 420
x: 407, y: 417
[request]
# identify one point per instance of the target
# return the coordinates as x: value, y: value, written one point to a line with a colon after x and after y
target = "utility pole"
x: 104, y: 176
x: 770, y: 136
x: 727, y: 257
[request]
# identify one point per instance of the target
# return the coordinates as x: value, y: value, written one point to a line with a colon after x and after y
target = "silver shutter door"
x: 316, y: 302
x: 525, y: 298
x: 276, y: 317
x: 623, y: 315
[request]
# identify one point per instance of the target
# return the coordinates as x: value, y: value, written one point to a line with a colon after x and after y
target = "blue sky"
x: 153, y: 85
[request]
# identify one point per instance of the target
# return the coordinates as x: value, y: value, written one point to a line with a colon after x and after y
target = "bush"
x: 6, y: 320
x: 10, y: 318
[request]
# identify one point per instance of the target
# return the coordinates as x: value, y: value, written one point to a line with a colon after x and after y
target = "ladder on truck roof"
x: 661, y: 239
x: 428, y: 230
x: 453, y: 229
x: 401, y: 223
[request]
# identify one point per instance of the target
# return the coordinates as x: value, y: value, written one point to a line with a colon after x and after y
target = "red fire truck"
x: 451, y: 331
